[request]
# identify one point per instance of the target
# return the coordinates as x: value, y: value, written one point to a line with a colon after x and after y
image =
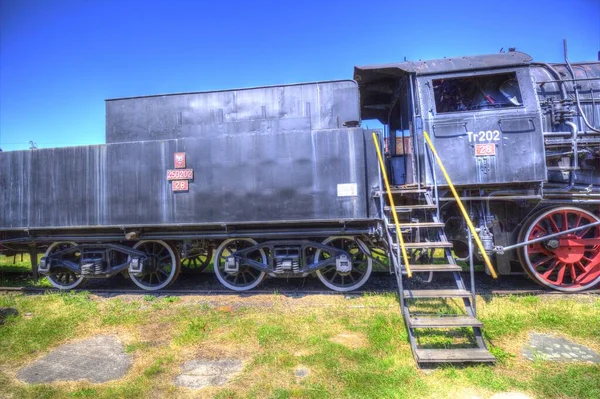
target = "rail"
x: 486, y: 259
x: 391, y: 200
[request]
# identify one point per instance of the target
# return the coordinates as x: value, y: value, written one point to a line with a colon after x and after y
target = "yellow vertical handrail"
x: 486, y: 259
x: 391, y: 201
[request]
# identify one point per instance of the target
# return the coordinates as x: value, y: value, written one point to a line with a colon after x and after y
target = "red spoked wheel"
x: 570, y: 262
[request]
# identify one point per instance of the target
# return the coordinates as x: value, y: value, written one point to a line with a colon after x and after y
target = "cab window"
x: 482, y: 92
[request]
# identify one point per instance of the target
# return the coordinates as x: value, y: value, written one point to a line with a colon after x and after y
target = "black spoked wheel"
x: 247, y: 277
x: 63, y: 278
x: 197, y: 261
x: 164, y: 265
x: 362, y: 265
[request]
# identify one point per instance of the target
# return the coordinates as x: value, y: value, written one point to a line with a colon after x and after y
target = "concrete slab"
x: 200, y: 373
x: 558, y: 349
x: 98, y: 359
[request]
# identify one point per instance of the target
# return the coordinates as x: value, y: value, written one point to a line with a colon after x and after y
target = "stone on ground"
x: 98, y: 359
x: 201, y: 373
x: 301, y: 373
x: 558, y: 349
x: 6, y: 312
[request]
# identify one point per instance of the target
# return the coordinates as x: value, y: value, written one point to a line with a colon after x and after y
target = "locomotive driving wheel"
x: 570, y: 262
x: 61, y: 277
x: 362, y: 265
x: 164, y: 262
x: 246, y: 277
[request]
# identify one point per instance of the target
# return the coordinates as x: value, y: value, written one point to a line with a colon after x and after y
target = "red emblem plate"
x: 180, y: 174
x: 179, y: 160
x: 484, y: 150
x: 180, y: 185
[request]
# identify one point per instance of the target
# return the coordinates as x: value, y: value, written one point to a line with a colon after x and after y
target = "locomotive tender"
x: 283, y: 181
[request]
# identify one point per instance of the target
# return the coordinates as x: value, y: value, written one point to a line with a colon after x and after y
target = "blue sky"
x: 59, y: 59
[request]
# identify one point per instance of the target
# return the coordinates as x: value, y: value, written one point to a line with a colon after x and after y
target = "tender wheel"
x: 196, y: 262
x: 362, y: 265
x: 247, y: 277
x: 63, y: 278
x: 165, y: 262
x: 570, y: 262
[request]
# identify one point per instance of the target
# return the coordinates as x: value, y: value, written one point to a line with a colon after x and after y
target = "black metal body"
x: 279, y: 177
x: 291, y: 164
x: 262, y: 111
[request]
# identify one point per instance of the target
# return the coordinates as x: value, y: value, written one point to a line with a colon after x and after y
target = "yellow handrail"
x: 486, y: 259
x: 391, y: 201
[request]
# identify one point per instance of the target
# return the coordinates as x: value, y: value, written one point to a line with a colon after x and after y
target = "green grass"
x: 18, y: 263
x: 275, y: 334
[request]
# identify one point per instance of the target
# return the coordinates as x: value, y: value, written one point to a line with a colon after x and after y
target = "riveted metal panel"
x: 322, y: 105
x: 515, y: 133
x: 275, y: 177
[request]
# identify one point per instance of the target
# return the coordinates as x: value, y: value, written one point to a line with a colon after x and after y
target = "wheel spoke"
x: 542, y: 261
x: 583, y: 232
x: 572, y: 271
x: 561, y: 274
x: 553, y: 223
x: 550, y: 270
x: 579, y: 217
x: 163, y: 272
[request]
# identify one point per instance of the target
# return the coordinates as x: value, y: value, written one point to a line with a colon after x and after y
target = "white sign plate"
x: 347, y: 190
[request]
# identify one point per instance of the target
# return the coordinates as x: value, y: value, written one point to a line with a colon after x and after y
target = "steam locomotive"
x: 284, y: 181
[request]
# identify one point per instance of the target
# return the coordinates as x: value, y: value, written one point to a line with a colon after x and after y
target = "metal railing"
x: 399, y: 237
x: 486, y: 259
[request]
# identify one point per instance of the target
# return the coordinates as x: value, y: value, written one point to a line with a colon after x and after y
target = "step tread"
x: 418, y: 224
x: 436, y: 268
x: 427, y: 244
x: 454, y: 355
x: 455, y: 293
x: 443, y: 321
x: 408, y: 191
x: 400, y: 208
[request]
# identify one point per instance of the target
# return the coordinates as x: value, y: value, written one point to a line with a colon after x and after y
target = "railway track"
x: 207, y: 284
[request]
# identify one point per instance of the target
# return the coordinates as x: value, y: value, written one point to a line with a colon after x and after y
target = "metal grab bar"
x: 486, y: 259
x: 391, y: 200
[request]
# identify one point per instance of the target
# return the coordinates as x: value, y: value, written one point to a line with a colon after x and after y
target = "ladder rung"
x: 454, y: 355
x: 444, y: 321
x: 418, y: 224
x: 427, y: 244
x: 435, y: 268
x: 436, y: 294
x: 409, y: 208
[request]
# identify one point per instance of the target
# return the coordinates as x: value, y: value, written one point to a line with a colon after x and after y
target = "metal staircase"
x: 427, y: 250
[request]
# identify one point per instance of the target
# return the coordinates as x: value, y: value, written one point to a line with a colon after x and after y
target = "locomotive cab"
x: 481, y: 113
x: 519, y: 141
x: 482, y: 121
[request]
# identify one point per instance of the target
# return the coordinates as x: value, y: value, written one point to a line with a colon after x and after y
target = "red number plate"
x: 180, y: 185
x: 180, y: 174
x: 484, y: 150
